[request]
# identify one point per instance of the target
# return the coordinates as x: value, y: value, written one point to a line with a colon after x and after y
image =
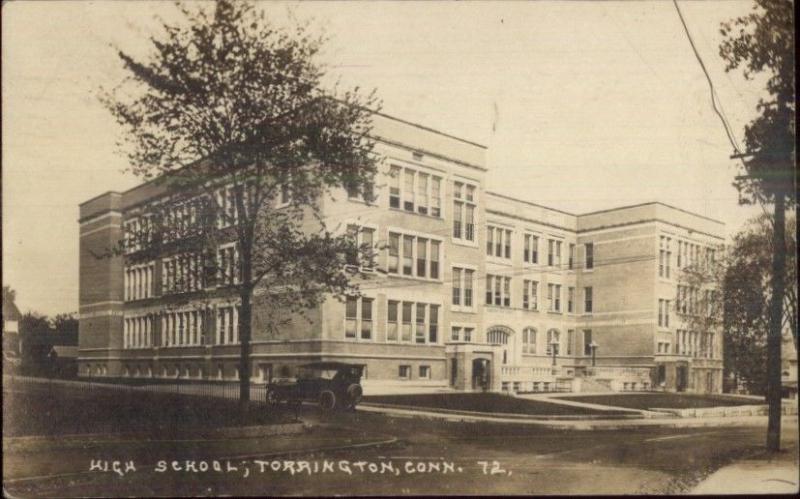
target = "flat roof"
x: 651, y: 203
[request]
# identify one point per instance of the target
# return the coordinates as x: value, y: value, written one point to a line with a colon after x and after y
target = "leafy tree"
x: 230, y: 118
x: 741, y: 307
x: 763, y: 41
x: 9, y: 295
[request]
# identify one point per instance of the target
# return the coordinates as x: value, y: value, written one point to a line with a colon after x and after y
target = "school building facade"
x: 472, y: 289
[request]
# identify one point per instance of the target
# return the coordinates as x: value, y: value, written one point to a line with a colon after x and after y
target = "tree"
x: 229, y: 117
x: 765, y: 42
x: 9, y: 295
x: 738, y: 302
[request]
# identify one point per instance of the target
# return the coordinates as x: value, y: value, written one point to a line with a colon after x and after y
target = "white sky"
x: 583, y: 105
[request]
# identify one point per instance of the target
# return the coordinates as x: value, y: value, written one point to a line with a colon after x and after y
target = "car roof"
x: 330, y: 365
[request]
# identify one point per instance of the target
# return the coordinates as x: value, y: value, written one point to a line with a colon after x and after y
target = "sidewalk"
x: 766, y: 476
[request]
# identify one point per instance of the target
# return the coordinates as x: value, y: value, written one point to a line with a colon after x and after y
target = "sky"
x: 582, y: 105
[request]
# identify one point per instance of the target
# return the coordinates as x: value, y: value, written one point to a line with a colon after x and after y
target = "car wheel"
x: 272, y: 398
x: 354, y: 395
x: 327, y: 400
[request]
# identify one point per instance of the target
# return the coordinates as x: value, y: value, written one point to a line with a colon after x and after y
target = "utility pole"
x: 778, y: 187
x: 774, y: 339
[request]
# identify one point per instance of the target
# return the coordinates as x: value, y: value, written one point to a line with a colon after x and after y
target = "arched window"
x: 497, y: 336
x: 529, y: 340
x: 553, y: 336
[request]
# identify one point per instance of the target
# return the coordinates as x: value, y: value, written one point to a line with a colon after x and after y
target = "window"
x: 502, y: 242
x: 570, y: 340
x: 138, y: 282
x: 425, y: 372
x: 553, y: 340
x: 570, y: 299
x: 530, y: 295
x: 366, y: 318
x: 351, y: 317
x: 587, y: 300
x: 553, y: 252
x: 663, y: 313
x: 420, y: 192
x: 498, y: 242
x: 358, y: 318
x: 436, y: 196
x: 554, y: 297
x: 587, y: 342
x: 408, y: 309
x: 420, y: 330
x: 227, y: 325
x: 571, y: 263
x: 664, y: 257
x: 427, y: 256
x: 137, y: 332
x: 456, y: 286
x: 529, y: 340
x: 462, y: 286
x: 422, y: 257
x: 394, y: 253
x: 228, y: 265
x: 408, y: 194
x: 420, y: 322
x: 408, y: 261
x: 589, y: 255
x: 392, y: 320
x: 464, y: 208
x: 497, y: 337
x: 531, y: 250
x: 361, y: 257
x: 458, y: 331
x: 498, y: 290
x: 404, y: 372
x: 433, y: 324
x: 394, y: 187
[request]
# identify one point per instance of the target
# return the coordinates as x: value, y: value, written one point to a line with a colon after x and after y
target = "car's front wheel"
x: 354, y: 395
x: 327, y: 400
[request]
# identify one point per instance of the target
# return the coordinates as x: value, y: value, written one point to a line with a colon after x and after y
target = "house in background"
x: 11, y: 346
x: 789, y: 367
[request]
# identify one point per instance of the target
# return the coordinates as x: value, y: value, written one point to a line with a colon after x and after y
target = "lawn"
x: 30, y: 409
x: 663, y: 400
x: 484, y: 402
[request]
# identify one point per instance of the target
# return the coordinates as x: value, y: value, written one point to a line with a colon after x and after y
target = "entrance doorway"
x: 682, y: 375
x: 481, y: 374
x: 453, y: 371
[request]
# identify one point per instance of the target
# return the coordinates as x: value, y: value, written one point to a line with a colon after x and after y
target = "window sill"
x: 415, y: 278
x: 463, y: 309
x: 401, y: 210
x: 464, y: 242
x: 500, y: 260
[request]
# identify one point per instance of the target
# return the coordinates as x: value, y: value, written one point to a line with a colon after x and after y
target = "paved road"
x: 529, y: 460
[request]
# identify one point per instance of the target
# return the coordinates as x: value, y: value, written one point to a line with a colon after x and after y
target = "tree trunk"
x: 774, y: 338
x: 245, y: 314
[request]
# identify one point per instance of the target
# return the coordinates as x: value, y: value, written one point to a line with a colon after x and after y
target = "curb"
x: 505, y: 415
x: 582, y: 425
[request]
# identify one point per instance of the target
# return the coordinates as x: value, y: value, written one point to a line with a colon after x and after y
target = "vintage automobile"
x: 333, y: 385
